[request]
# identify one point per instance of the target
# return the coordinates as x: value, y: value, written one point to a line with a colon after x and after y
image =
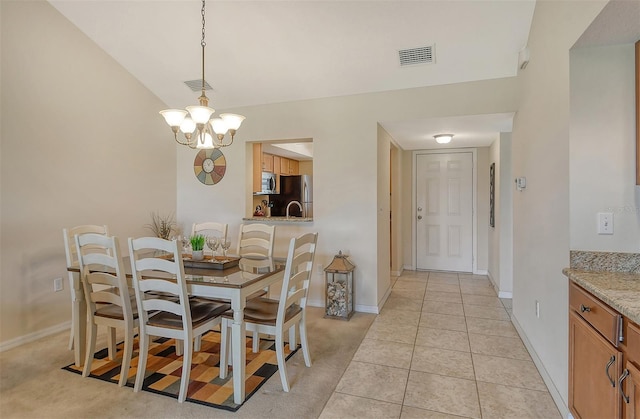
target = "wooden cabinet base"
x: 594, y: 367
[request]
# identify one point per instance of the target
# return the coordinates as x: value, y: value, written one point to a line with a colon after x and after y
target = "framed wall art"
x: 492, y: 195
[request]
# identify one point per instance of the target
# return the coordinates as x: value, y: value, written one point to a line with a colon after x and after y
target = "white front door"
x: 444, y: 211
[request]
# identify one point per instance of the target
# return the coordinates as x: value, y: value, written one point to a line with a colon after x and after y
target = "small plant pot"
x: 197, y: 255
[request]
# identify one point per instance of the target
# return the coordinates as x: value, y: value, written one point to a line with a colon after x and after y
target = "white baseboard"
x: 409, y: 268
x: 481, y: 272
x: 315, y: 303
x: 360, y: 308
x: 397, y: 273
x: 21, y: 340
x: 501, y: 294
x: 367, y: 309
x: 384, y: 299
x: 555, y: 394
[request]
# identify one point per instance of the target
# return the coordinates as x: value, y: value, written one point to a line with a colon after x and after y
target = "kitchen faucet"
x: 299, y: 206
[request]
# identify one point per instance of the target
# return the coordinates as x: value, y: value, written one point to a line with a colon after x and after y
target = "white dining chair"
x: 107, y: 295
x: 264, y: 315
x: 72, y: 261
x: 180, y: 318
x: 256, y: 240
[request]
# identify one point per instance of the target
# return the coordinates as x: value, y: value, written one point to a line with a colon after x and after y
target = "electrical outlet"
x: 537, y: 309
x: 57, y: 284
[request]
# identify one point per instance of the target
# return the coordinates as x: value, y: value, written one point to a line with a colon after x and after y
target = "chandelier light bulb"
x: 188, y: 126
x: 200, y: 114
x: 219, y: 126
x: 174, y: 117
x: 232, y: 120
x: 205, y: 140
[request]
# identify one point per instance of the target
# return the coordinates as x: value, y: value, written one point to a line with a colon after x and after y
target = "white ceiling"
x: 261, y: 52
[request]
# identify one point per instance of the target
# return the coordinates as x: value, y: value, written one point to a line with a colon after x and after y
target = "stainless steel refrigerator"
x: 294, y: 188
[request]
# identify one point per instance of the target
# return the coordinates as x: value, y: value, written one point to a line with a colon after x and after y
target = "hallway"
x: 443, y: 347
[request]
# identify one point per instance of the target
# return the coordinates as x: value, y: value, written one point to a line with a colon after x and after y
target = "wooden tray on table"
x: 209, y: 262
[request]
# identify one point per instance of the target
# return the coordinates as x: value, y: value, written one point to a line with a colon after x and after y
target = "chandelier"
x: 196, y: 123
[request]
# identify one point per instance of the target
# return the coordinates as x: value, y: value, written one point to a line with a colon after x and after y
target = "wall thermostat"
x: 521, y: 183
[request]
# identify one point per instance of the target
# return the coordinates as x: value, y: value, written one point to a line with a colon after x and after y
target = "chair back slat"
x: 157, y: 304
x: 157, y: 264
x: 160, y: 285
x: 106, y: 297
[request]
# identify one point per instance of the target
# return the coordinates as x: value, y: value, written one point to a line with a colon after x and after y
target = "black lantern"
x: 339, y: 285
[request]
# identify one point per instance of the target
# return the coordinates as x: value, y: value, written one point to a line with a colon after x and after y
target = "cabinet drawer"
x: 606, y: 321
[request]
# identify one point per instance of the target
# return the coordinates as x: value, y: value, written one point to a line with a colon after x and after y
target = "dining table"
x: 234, y: 281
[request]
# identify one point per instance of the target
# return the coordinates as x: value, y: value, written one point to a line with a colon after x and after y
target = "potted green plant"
x: 197, y: 247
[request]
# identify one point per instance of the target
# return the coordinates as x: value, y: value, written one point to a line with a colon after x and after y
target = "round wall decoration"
x: 209, y: 166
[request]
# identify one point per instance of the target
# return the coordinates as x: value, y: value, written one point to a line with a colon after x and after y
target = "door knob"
x: 419, y: 217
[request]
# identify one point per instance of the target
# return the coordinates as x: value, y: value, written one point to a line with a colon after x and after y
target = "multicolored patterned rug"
x: 164, y: 368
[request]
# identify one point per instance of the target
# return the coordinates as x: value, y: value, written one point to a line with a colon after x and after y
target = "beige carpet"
x: 32, y: 385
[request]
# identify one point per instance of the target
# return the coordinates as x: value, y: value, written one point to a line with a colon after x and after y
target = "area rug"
x: 164, y: 368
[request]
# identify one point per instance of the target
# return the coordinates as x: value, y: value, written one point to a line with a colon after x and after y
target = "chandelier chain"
x: 203, y: 24
x: 203, y: 44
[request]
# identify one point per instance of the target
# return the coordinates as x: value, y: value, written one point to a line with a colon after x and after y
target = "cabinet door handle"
x: 606, y: 370
x: 624, y: 375
x: 584, y: 308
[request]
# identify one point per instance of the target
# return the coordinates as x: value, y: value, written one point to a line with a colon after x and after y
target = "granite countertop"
x: 279, y: 219
x: 620, y: 290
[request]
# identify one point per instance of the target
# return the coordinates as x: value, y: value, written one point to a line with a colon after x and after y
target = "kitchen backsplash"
x: 605, y: 261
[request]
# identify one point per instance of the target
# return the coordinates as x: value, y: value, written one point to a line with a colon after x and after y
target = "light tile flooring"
x: 442, y: 347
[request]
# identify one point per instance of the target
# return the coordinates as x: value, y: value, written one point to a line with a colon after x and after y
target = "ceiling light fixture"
x: 209, y: 132
x: 443, y: 138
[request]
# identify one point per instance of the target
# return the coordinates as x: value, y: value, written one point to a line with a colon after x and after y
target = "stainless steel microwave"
x: 269, y: 183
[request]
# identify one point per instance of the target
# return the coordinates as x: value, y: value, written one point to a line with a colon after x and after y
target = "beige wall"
x: 82, y: 143
x: 482, y: 207
x: 398, y: 243
x: 383, y: 207
x: 500, y: 237
x: 602, y: 147
x: 541, y: 212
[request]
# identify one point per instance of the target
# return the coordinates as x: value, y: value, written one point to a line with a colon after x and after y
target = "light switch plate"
x: 605, y: 223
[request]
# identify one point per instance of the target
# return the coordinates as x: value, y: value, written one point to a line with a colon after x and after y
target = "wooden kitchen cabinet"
x: 604, y: 359
x: 277, y: 164
x: 630, y: 380
x: 267, y: 162
x: 257, y: 167
x: 594, y: 366
x: 284, y: 166
x: 294, y: 167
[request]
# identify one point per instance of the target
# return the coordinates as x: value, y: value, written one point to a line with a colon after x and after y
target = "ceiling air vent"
x: 421, y: 55
x: 196, y: 85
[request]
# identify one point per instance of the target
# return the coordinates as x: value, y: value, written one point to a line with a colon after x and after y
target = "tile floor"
x: 442, y: 347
